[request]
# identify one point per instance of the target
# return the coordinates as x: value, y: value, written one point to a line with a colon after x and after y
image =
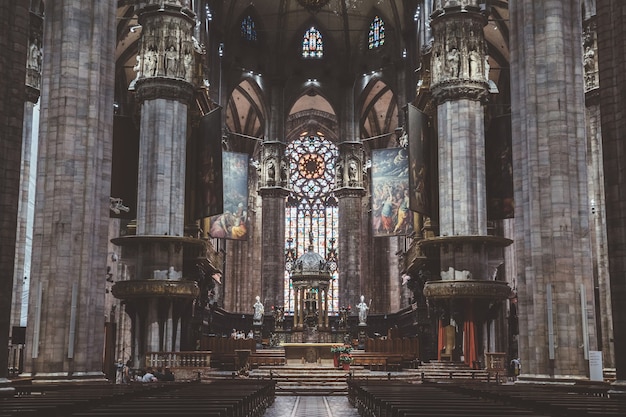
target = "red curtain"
x: 469, y: 339
x: 441, y: 339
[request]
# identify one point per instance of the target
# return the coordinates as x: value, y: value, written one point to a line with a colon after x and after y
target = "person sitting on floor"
x: 148, y: 376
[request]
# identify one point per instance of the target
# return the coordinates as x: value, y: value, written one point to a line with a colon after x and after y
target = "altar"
x: 298, y: 353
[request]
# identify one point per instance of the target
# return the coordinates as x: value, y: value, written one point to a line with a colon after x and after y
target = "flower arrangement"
x: 341, y: 348
x: 345, y: 357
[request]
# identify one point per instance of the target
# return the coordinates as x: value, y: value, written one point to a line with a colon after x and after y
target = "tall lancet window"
x: 311, y: 210
x: 312, y: 45
x: 248, y: 30
x: 376, y: 36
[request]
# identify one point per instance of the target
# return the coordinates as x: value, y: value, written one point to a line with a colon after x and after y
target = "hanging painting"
x: 390, y: 193
x: 233, y: 222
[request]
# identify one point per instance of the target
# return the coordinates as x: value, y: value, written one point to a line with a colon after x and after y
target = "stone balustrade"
x: 195, y: 359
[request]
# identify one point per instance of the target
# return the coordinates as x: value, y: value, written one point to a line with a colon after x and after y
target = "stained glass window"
x: 248, y: 30
x: 311, y: 207
x: 312, y: 45
x: 376, y: 36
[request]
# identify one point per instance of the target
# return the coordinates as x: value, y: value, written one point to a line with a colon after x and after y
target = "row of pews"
x: 413, y: 400
x: 397, y: 399
x: 390, y: 353
x: 226, y: 398
x: 577, y: 400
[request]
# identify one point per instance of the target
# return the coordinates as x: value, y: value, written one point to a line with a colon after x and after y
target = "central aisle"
x: 311, y: 406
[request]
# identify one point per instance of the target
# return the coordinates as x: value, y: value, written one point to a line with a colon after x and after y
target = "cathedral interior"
x: 296, y: 172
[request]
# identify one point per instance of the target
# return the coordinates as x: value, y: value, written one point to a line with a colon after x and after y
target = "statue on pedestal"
x: 363, y: 308
x: 259, y: 310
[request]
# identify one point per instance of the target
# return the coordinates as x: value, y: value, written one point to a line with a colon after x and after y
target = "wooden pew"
x: 377, y: 360
x: 236, y: 398
x: 267, y: 357
x: 391, y: 399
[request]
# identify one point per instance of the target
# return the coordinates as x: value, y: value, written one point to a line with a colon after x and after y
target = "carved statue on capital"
x: 590, y: 64
x: 166, y: 49
x: 459, y: 64
x: 284, y: 173
x: 349, y: 170
x: 353, y: 172
x: 34, y: 54
x: 339, y: 172
x: 270, y: 179
x: 33, y: 62
x: 274, y: 168
x: 452, y: 62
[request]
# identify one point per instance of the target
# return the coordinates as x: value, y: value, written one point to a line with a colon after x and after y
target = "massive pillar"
x: 65, y: 338
x: 26, y: 201
x: 555, y: 285
x: 612, y: 78
x: 158, y: 294
x: 14, y: 43
x: 459, y: 86
x: 273, y: 193
x: 597, y: 201
x: 350, y: 192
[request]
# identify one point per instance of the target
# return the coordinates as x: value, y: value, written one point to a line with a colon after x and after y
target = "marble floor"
x: 311, y: 406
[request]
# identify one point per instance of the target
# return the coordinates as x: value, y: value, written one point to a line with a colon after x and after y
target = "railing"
x: 16, y: 359
x: 195, y: 359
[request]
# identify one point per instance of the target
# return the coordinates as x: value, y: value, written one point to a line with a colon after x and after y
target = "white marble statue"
x: 363, y: 308
x: 259, y: 310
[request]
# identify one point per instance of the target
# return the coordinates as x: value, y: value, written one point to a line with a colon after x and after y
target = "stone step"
x: 308, y: 379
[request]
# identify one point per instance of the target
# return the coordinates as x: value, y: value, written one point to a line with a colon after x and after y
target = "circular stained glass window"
x: 312, y: 164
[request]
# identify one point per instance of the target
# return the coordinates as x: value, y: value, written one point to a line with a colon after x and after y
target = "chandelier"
x: 313, y: 5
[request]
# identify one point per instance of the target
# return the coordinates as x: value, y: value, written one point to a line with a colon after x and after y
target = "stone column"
x: 296, y: 309
x: 320, y: 308
x: 273, y: 191
x: 326, y: 309
x: 611, y: 33
x: 158, y: 295
x: 13, y: 43
x: 65, y: 337
x: 597, y: 200
x: 552, y: 233
x: 26, y: 202
x: 350, y: 192
x: 459, y: 87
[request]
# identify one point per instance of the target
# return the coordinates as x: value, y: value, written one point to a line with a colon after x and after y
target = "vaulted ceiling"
x: 280, y: 24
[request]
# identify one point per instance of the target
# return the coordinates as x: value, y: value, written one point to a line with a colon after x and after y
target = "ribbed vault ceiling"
x: 280, y: 24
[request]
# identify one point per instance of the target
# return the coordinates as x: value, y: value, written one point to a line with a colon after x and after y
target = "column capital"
x: 459, y: 64
x: 166, y: 88
x: 276, y: 192
x: 274, y: 166
x: 167, y: 48
x: 344, y: 192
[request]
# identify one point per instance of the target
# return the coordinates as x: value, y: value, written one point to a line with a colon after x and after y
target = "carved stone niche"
x: 167, y: 48
x: 459, y: 64
x: 274, y: 168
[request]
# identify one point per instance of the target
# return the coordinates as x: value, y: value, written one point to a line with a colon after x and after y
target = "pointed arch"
x: 312, y: 111
x: 246, y: 111
x: 379, y: 110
